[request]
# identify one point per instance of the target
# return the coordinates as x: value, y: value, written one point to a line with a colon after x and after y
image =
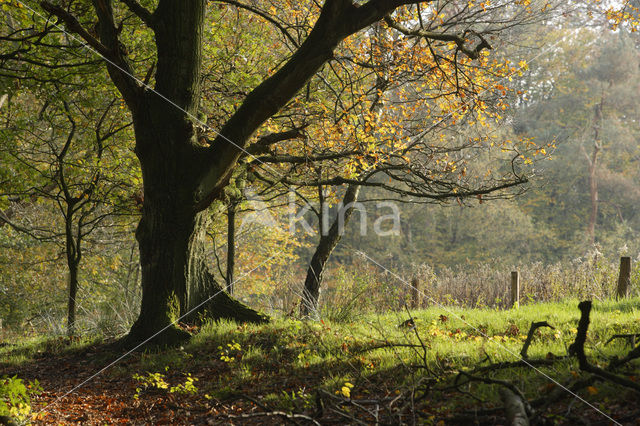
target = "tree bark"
x: 326, y: 245
x: 176, y: 282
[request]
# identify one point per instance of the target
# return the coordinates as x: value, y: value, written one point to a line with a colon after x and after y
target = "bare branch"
x: 140, y: 11
x: 263, y: 15
x: 532, y: 329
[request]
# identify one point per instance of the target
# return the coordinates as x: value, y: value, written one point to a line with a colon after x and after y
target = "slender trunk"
x: 593, y: 195
x: 73, y: 291
x: 231, y: 245
x: 326, y: 245
x: 593, y: 168
x: 74, y: 256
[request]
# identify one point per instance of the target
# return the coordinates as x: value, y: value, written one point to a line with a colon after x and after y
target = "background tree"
x: 68, y: 154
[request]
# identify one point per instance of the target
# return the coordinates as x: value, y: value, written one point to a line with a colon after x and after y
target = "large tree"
x: 182, y: 175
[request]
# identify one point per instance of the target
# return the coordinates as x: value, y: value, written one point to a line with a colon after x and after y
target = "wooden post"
x: 515, y: 289
x: 415, y: 293
x: 624, y: 279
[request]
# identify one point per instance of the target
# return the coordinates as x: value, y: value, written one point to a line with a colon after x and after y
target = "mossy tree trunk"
x: 176, y: 282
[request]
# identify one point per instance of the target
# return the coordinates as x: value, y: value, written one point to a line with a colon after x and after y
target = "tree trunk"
x: 176, y: 282
x: 231, y: 244
x: 592, y: 163
x: 182, y: 178
x: 328, y: 242
x: 593, y: 194
x: 73, y: 291
x: 74, y: 256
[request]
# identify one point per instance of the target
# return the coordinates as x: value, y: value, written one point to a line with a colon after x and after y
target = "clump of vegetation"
x: 157, y: 381
x: 15, y: 398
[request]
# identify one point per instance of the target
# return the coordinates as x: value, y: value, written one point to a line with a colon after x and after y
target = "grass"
x: 285, y: 363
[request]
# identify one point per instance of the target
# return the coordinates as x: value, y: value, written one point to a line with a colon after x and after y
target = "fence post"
x: 624, y: 279
x: 515, y: 289
x: 415, y: 293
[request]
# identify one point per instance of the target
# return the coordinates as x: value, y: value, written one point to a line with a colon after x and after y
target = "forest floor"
x: 434, y: 366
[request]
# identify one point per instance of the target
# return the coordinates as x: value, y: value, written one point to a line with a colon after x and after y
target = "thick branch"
x: 514, y: 408
x: 508, y: 385
x: 119, y: 70
x: 108, y: 46
x: 577, y: 349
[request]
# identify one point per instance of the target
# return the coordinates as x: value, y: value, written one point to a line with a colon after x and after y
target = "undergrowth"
x: 290, y: 365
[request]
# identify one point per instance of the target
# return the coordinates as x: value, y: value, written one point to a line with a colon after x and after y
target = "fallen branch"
x: 268, y: 412
x: 516, y: 364
x: 514, y: 408
x: 532, y: 329
x: 633, y: 354
x: 358, y: 401
x: 577, y: 349
x: 508, y: 385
